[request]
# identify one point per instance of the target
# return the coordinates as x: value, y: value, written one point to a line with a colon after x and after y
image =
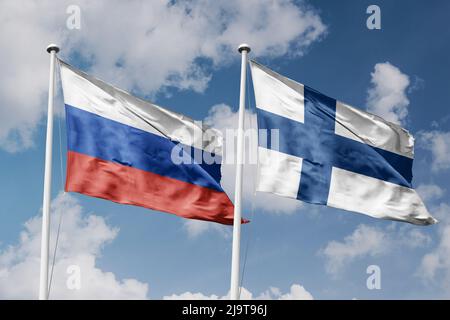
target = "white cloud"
x: 367, y: 241
x: 296, y: 292
x: 191, y: 296
x: 387, y: 96
x: 194, y: 228
x: 143, y: 46
x: 25, y: 31
x: 435, y: 265
x: 363, y: 241
x: 245, y: 295
x: 81, y: 241
x: 438, y: 143
x: 430, y: 191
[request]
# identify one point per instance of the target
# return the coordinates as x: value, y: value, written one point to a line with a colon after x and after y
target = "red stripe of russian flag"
x: 128, y: 185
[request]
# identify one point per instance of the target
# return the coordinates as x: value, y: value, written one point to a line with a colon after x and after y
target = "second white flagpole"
x: 45, y: 238
x: 244, y: 49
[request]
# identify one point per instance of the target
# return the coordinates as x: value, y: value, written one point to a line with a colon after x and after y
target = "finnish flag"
x: 322, y: 151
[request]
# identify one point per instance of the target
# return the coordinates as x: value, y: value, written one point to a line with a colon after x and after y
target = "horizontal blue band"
x: 322, y: 146
x: 109, y: 140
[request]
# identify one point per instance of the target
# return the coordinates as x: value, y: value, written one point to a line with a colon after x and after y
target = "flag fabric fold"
x: 322, y: 151
x: 127, y: 150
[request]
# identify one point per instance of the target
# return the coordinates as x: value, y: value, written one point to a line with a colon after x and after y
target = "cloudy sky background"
x: 183, y: 56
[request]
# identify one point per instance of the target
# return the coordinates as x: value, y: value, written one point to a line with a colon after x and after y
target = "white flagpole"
x: 244, y: 49
x: 45, y: 239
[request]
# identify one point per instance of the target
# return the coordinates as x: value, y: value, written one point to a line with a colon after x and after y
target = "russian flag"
x: 130, y: 151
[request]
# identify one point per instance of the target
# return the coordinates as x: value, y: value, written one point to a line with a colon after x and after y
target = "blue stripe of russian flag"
x: 109, y: 140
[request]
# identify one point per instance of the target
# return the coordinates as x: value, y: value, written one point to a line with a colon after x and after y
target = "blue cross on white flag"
x: 322, y: 151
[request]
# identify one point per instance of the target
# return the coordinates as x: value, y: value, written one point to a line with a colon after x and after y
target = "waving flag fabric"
x: 130, y: 151
x: 323, y: 151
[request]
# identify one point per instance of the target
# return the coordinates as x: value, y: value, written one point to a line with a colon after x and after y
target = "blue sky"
x: 192, y: 73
